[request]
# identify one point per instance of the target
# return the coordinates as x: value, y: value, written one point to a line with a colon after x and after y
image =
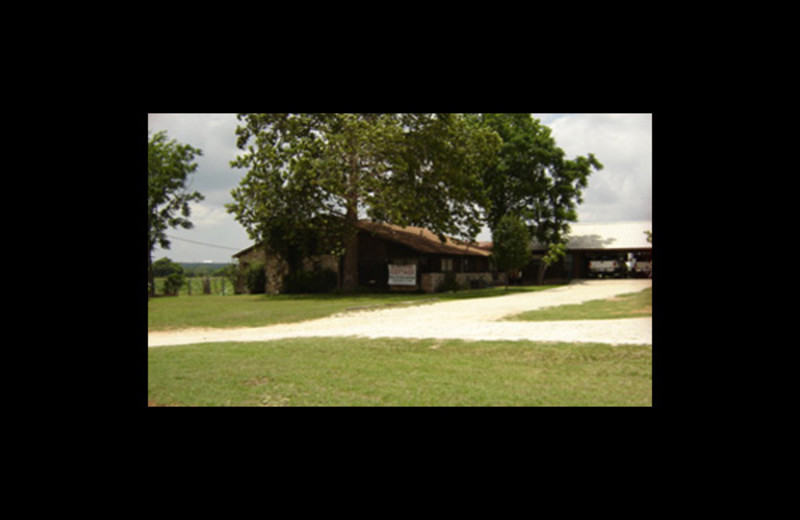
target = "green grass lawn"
x: 180, y: 312
x: 399, y: 372
x: 632, y: 305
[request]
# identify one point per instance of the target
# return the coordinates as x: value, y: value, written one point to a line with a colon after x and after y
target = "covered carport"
x: 620, y: 241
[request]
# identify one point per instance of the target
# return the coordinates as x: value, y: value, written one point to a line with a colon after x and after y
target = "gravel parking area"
x: 475, y: 319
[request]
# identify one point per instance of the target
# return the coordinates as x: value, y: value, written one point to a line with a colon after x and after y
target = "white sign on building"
x: 402, y: 274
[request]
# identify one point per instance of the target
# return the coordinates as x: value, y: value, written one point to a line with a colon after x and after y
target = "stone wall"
x: 432, y: 281
x: 322, y: 262
x: 277, y: 268
x: 478, y: 280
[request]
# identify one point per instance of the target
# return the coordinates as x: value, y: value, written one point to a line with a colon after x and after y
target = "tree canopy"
x: 511, y: 248
x: 313, y: 175
x: 165, y: 267
x: 534, y: 180
x: 169, y: 164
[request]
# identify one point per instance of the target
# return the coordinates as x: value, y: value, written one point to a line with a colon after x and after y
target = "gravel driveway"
x: 475, y: 319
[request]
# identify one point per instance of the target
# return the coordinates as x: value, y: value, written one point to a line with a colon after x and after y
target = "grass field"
x: 397, y: 372
x: 246, y: 310
x: 632, y: 305
x: 389, y: 372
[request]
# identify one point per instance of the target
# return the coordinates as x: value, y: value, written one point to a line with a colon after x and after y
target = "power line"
x: 203, y: 243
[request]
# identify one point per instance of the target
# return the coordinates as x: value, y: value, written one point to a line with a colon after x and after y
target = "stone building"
x: 391, y: 258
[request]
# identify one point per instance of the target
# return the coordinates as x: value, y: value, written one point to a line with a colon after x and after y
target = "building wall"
x: 374, y: 256
x: 276, y: 268
x: 430, y: 282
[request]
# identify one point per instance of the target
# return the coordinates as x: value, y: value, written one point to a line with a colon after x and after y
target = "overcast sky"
x: 623, y: 143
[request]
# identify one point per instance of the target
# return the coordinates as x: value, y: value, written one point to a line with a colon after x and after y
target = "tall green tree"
x: 551, y: 211
x: 512, y: 245
x: 519, y: 172
x: 315, y: 174
x: 169, y: 164
x: 534, y: 180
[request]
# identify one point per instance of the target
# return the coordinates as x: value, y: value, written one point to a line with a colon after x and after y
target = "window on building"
x: 447, y: 265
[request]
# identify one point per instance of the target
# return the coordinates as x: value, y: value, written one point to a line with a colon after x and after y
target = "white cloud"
x: 622, y: 190
x: 208, y: 216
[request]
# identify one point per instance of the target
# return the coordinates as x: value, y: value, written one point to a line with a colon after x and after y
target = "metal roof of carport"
x: 608, y: 235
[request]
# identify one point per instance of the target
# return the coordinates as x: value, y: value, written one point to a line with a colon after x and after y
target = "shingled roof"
x: 417, y: 238
x: 421, y: 239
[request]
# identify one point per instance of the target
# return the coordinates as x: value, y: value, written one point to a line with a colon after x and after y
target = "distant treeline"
x: 165, y: 267
x: 192, y: 269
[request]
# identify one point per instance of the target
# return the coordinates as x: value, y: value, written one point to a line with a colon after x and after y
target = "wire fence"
x: 199, y: 285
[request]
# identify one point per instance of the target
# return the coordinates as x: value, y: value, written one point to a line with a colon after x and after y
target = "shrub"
x: 449, y: 283
x: 234, y: 274
x: 310, y: 282
x: 173, y: 283
x: 256, y: 278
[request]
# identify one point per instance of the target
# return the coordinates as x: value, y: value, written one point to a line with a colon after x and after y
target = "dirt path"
x: 475, y: 319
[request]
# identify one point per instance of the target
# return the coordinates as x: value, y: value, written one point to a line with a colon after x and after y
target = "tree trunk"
x: 150, y: 279
x: 542, y: 269
x: 350, y: 282
x: 350, y: 277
